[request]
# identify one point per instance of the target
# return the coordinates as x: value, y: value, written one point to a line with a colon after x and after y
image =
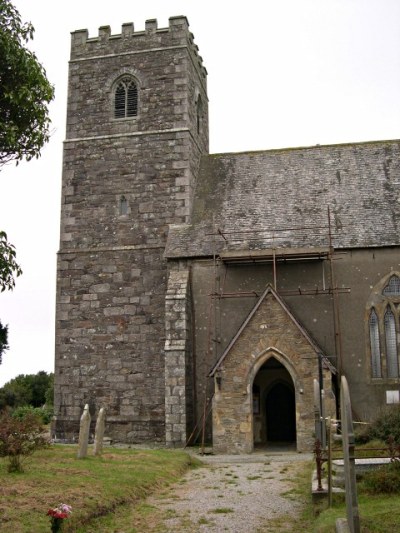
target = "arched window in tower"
x: 126, y: 98
x: 199, y: 112
x: 391, y: 344
x: 375, y: 345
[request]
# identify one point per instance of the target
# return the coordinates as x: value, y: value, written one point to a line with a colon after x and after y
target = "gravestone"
x: 353, y: 518
x: 99, y: 432
x: 84, y: 433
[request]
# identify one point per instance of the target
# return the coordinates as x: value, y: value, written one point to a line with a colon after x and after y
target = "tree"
x: 29, y: 389
x: 9, y: 268
x: 25, y: 94
x: 3, y: 339
x: 25, y: 91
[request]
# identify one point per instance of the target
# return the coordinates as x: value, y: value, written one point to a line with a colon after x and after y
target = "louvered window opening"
x: 126, y: 99
x: 375, y: 345
x: 391, y: 344
x: 393, y: 287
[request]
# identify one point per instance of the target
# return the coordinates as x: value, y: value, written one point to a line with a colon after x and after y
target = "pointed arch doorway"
x: 274, y: 405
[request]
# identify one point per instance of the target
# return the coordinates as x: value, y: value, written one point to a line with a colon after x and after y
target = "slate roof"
x: 259, y: 200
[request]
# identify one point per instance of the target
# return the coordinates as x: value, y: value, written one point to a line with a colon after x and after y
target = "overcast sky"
x: 280, y: 73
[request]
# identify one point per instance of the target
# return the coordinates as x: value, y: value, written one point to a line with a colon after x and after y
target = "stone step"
x: 362, y: 466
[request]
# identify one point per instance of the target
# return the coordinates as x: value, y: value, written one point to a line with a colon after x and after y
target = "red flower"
x: 55, y: 513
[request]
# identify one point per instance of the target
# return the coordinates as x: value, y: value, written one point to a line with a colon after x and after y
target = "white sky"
x: 281, y: 73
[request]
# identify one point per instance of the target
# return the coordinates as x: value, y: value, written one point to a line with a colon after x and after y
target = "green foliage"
x: 45, y: 414
x: 386, y: 424
x: 383, y: 480
x: 30, y: 389
x: 20, y: 438
x: 9, y: 268
x: 3, y: 339
x: 24, y: 90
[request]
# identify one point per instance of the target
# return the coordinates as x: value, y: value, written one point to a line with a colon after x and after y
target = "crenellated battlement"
x: 177, y: 34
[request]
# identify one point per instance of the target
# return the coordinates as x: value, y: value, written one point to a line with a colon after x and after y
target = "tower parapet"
x: 177, y: 34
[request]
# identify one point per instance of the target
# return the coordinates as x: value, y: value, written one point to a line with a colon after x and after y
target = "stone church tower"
x: 137, y: 125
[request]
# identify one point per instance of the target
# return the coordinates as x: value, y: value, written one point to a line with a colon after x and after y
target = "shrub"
x: 44, y: 413
x: 385, y: 479
x: 20, y: 438
x: 386, y: 424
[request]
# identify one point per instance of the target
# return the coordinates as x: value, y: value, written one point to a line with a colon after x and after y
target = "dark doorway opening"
x: 281, y: 413
x: 274, y: 406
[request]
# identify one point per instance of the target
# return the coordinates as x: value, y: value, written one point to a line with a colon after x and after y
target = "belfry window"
x: 384, y: 333
x: 126, y: 98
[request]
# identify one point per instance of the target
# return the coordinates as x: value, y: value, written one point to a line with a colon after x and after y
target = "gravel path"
x: 238, y: 494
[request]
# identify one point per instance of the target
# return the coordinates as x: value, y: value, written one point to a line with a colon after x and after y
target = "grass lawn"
x: 108, y: 494
x: 94, y: 486
x: 378, y: 513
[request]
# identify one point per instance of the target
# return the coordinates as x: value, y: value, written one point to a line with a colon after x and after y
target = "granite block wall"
x: 112, y: 274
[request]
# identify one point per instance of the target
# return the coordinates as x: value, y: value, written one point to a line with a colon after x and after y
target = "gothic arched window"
x: 375, y: 345
x: 126, y: 98
x: 391, y: 344
x: 384, y: 329
x: 393, y: 287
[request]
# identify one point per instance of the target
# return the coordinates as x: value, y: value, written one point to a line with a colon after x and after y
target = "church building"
x: 205, y: 293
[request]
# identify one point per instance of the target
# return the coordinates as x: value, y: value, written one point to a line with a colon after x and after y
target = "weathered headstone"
x: 99, y: 432
x: 353, y: 518
x: 84, y: 433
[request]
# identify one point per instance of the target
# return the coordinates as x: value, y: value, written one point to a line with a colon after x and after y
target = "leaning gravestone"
x: 353, y: 518
x: 84, y: 433
x: 99, y: 432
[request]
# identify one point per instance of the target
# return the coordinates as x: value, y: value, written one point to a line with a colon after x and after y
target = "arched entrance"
x: 274, y: 404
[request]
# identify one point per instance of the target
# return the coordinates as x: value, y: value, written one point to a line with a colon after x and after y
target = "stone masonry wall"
x: 112, y: 275
x: 270, y: 332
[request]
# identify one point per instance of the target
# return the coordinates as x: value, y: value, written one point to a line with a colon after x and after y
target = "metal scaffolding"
x: 274, y: 255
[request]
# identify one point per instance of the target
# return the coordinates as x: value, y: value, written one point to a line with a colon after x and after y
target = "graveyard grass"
x: 93, y: 486
x: 378, y: 513
x: 108, y: 493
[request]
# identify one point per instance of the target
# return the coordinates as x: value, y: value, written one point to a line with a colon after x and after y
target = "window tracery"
x: 384, y: 337
x: 126, y: 98
x: 375, y: 345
